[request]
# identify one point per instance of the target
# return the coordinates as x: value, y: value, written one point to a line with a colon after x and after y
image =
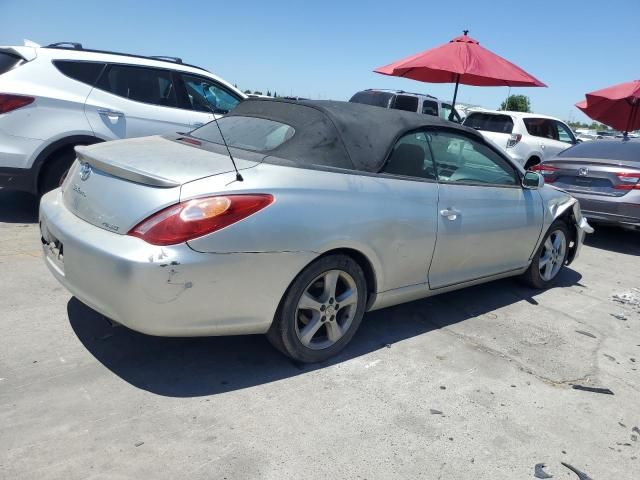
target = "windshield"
x: 248, y: 133
x: 377, y: 99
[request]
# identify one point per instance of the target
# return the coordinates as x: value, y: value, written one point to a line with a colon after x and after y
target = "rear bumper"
x: 167, y: 291
x: 623, y: 210
x: 17, y: 179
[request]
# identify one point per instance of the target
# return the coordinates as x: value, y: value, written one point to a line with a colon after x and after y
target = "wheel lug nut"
x: 324, y: 319
x: 333, y: 317
x: 331, y: 300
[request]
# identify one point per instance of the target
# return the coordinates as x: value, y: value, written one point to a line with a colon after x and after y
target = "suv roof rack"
x: 166, y: 59
x: 160, y: 58
x: 399, y: 91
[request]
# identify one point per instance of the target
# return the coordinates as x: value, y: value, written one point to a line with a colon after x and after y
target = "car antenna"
x: 215, y: 119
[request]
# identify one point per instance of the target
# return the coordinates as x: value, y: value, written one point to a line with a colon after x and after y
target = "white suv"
x: 528, y: 138
x: 56, y: 97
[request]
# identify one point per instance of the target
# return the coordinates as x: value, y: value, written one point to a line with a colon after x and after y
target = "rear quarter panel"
x: 391, y: 221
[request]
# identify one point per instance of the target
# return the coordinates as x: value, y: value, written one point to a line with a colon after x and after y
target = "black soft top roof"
x: 340, y: 134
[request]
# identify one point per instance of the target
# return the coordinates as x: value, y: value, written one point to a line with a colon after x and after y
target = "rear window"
x: 8, y: 61
x: 405, y: 102
x: 490, y: 122
x: 248, y: 133
x: 85, y: 72
x: 605, y: 149
x: 142, y: 84
x: 377, y: 99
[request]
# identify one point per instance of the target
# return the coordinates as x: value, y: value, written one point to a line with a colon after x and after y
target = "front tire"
x: 550, y: 257
x: 321, y: 311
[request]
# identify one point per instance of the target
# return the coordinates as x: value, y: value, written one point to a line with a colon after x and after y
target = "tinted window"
x: 446, y: 111
x: 85, y: 72
x: 614, y: 150
x: 147, y: 85
x: 405, y: 102
x: 206, y: 96
x: 429, y: 107
x: 490, y: 122
x: 564, y: 134
x: 248, y: 133
x: 411, y: 157
x: 541, y: 127
x: 460, y: 159
x: 377, y: 99
x: 7, y: 62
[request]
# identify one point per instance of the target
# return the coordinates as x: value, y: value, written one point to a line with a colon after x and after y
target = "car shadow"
x: 18, y: 207
x: 614, y: 239
x: 192, y: 367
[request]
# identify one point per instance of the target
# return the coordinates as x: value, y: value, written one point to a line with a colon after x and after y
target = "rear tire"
x: 55, y: 170
x: 550, y: 258
x: 321, y: 311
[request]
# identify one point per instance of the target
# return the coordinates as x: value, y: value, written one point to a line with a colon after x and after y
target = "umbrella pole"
x: 455, y: 94
x: 632, y: 117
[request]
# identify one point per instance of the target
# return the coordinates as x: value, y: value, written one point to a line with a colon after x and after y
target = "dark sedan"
x: 603, y: 175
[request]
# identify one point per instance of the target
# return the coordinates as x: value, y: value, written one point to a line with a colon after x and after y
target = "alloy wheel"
x: 552, y: 255
x: 326, y: 309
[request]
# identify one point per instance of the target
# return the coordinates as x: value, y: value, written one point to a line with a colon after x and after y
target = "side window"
x: 460, y: 159
x: 429, y: 107
x: 147, y: 85
x: 542, y: 127
x: 406, y: 102
x: 206, y: 96
x: 85, y: 72
x: 411, y: 157
x: 446, y: 111
x: 564, y: 134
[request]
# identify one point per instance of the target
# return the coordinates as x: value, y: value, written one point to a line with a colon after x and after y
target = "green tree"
x: 247, y: 92
x: 268, y: 93
x: 257, y: 92
x: 275, y: 94
x: 516, y: 103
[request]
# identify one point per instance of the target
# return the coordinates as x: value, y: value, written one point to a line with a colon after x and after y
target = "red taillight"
x: 198, y: 217
x: 513, y: 140
x: 9, y: 102
x: 547, y: 171
x: 630, y: 181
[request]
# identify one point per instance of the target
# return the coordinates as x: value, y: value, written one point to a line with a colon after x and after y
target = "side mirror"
x: 532, y: 180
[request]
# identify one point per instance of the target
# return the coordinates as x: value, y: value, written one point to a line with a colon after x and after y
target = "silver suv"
x: 410, y: 102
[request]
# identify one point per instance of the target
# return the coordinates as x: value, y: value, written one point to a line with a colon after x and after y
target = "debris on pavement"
x: 610, y: 357
x: 619, y: 316
x: 581, y: 475
x: 138, y: 444
x: 636, y: 430
x: 435, y: 412
x: 539, y: 471
x: 630, y: 298
x: 605, y: 391
x: 582, y: 332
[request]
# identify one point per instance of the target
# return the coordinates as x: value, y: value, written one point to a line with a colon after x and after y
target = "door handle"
x: 110, y: 113
x: 450, y: 213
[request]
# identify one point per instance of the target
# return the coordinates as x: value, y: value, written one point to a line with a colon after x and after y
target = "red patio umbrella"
x: 617, y: 106
x: 462, y: 60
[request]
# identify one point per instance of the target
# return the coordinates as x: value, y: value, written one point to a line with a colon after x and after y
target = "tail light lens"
x: 9, y: 102
x: 195, y: 218
x: 547, y: 171
x: 630, y: 181
x: 513, y: 140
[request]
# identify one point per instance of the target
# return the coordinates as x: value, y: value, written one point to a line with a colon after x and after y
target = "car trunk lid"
x: 115, y: 185
x: 592, y: 176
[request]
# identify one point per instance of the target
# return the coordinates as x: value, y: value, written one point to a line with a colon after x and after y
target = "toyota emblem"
x: 85, y: 171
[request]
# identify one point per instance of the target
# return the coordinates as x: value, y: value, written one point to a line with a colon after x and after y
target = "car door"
x: 205, y: 97
x: 134, y: 101
x: 487, y: 223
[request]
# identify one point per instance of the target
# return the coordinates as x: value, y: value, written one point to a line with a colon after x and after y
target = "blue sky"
x: 328, y: 49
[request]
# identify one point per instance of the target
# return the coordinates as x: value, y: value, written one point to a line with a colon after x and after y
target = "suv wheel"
x: 55, y: 170
x: 531, y: 162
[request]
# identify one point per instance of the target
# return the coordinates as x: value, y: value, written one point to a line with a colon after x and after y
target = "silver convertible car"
x: 335, y: 209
